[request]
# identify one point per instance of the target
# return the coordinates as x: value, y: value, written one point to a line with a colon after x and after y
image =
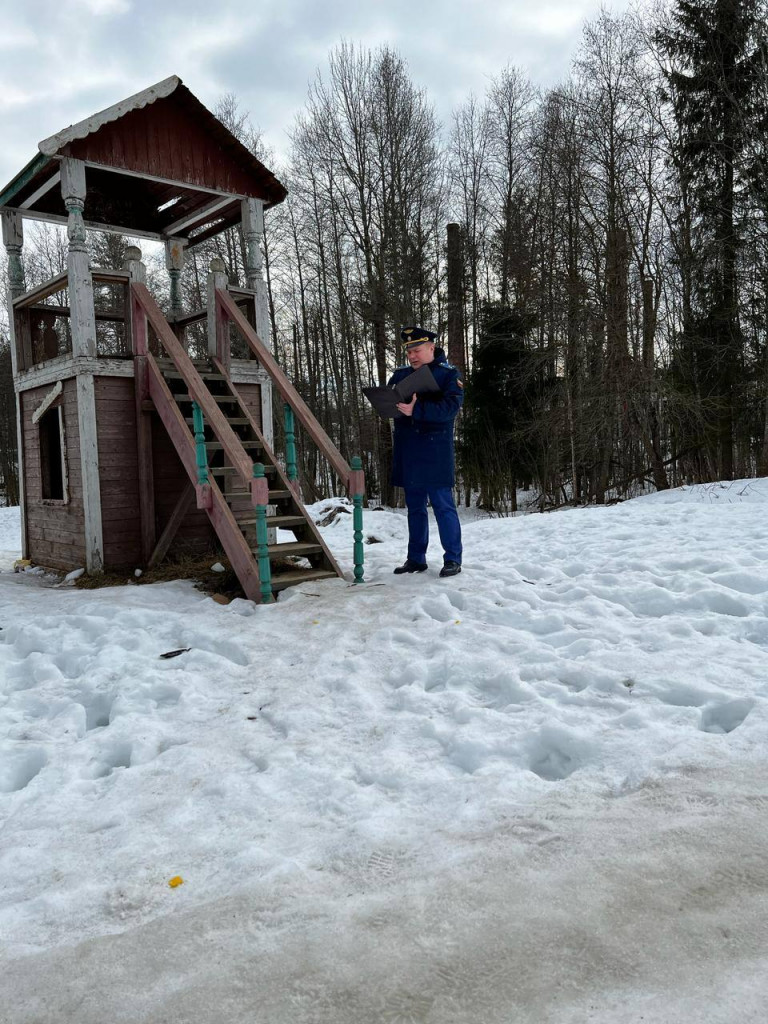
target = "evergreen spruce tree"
x: 497, y: 449
x: 712, y: 82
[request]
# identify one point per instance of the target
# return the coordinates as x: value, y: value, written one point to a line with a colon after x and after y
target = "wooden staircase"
x: 286, y: 512
x: 224, y: 460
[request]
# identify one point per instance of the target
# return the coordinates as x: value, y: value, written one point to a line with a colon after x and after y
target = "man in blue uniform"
x: 423, y: 454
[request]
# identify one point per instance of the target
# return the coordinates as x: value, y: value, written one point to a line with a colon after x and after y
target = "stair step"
x: 231, y: 471
x: 290, y: 579
x: 233, y: 421
x: 273, y: 495
x: 184, y: 396
x: 170, y: 372
x: 273, y: 522
x: 294, y: 547
x: 217, y: 446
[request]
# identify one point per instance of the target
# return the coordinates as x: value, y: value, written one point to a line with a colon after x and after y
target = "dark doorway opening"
x: 52, y: 455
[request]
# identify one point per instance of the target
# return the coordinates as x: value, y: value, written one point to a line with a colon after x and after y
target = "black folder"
x: 385, y: 400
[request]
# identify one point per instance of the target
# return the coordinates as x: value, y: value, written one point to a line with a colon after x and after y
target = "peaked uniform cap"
x: 416, y: 336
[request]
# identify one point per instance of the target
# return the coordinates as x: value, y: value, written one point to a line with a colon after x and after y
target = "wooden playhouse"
x: 141, y: 432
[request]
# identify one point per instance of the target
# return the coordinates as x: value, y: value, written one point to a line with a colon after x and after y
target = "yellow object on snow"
x: 21, y: 564
x: 176, y: 881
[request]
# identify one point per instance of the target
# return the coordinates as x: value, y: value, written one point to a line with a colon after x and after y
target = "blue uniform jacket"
x: 423, y: 455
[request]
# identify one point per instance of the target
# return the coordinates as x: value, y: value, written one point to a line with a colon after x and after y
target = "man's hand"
x: 406, y: 408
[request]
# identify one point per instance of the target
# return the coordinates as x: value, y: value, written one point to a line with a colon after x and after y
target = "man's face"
x: 420, y: 355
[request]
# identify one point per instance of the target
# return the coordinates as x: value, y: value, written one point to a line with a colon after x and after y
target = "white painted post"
x: 217, y: 278
x: 132, y: 263
x: 174, y: 264
x: 138, y: 273
x: 83, y: 326
x: 252, y: 227
x: 13, y: 240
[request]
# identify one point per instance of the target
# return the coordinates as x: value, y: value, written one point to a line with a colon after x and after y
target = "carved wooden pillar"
x: 83, y: 320
x: 174, y: 264
x: 252, y: 227
x: 83, y: 326
x: 13, y: 240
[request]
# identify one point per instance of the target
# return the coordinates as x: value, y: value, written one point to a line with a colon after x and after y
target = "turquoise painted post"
x: 265, y: 569
x: 290, y: 444
x: 357, y: 522
x: 201, y: 453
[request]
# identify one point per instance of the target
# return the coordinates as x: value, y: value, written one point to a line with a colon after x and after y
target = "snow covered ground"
x: 537, y: 792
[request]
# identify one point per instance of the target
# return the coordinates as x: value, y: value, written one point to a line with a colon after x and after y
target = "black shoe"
x: 450, y: 569
x: 409, y: 566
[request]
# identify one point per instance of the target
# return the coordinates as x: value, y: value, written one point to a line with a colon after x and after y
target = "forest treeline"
x: 609, y: 273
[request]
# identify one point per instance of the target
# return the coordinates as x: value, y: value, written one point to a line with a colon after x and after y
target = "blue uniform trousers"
x: 447, y: 518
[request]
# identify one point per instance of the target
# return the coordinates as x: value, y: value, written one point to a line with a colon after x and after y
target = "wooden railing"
x: 43, y: 329
x: 227, y: 309
x: 352, y: 477
x: 196, y: 342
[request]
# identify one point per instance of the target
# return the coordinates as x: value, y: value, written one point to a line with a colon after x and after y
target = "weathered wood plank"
x: 104, y: 275
x: 89, y: 465
x: 65, y: 312
x: 41, y: 292
x: 144, y: 458
x: 185, y: 502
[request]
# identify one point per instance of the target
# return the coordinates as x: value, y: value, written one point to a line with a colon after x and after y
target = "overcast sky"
x: 61, y: 60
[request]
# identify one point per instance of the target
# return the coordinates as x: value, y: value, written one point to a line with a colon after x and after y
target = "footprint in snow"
x: 438, y: 608
x: 403, y: 676
x: 684, y: 695
x: 721, y: 603
x: 555, y: 753
x: 407, y: 1008
x: 499, y: 691
x: 73, y: 663
x: 18, y: 768
x: 381, y: 865
x: 98, y: 707
x: 742, y: 582
x: 222, y: 649
x: 402, y: 636
x: 724, y: 718
x: 164, y: 696
x: 118, y: 755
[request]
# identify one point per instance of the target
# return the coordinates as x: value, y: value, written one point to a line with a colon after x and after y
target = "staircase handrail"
x: 352, y: 478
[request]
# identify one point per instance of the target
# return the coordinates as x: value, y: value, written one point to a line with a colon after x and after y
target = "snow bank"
x: 722, y: 492
x: 10, y: 536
